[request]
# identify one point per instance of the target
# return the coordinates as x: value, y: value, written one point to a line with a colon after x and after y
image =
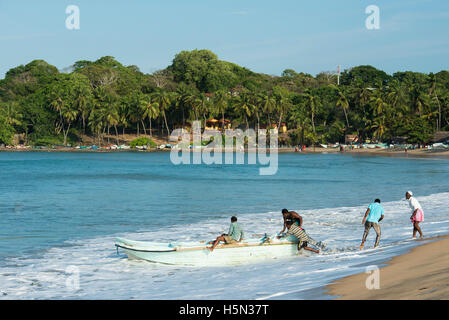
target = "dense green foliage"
x: 105, y: 97
x: 6, y: 131
x: 143, y: 141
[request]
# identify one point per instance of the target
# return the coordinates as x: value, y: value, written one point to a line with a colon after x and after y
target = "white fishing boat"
x: 375, y: 146
x: 439, y: 146
x: 198, y: 253
x: 330, y: 146
x: 369, y: 146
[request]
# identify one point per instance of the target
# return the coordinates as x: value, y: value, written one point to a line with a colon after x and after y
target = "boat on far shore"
x: 375, y: 145
x: 330, y: 146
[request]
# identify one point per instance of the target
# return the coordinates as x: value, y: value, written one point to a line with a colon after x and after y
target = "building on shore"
x: 441, y: 137
x: 351, y: 138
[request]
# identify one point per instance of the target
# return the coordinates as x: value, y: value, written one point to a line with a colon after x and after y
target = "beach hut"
x: 212, y: 124
x: 227, y: 123
x: 351, y: 138
x: 266, y: 128
x: 441, y: 137
x: 186, y: 126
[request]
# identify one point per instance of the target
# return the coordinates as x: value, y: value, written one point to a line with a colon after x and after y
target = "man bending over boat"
x: 291, y: 217
x: 293, y: 222
x: 234, y: 235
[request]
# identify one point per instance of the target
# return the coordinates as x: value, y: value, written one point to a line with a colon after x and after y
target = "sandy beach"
x: 421, y: 274
x: 418, y: 153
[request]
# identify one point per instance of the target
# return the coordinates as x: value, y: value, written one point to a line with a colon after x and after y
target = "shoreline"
x: 422, y: 273
x: 418, y: 153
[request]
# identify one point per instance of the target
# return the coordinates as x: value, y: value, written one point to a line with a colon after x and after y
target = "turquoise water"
x: 61, y: 212
x: 49, y: 198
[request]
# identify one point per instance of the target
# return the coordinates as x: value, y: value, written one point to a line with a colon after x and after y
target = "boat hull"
x: 201, y: 256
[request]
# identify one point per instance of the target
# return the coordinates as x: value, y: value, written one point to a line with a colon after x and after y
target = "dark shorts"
x: 302, y: 244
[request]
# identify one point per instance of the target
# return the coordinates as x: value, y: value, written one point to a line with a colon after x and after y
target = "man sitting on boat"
x: 293, y: 222
x: 234, y: 235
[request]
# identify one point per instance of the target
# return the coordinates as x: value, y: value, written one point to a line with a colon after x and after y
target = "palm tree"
x: 123, y: 111
x: 69, y: 115
x: 397, y: 99
x: 182, y: 98
x: 204, y: 106
x: 142, y: 102
x: 150, y: 110
x: 163, y: 100
x: 343, y: 103
x: 195, y: 104
x: 312, y: 104
x: 221, y: 102
x: 361, y: 96
x: 97, y: 121
x: 258, y: 106
x: 420, y: 99
x: 57, y: 104
x: 282, y: 104
x: 83, y: 108
x: 107, y: 107
x: 433, y: 89
x: 135, y: 110
x: 244, y: 107
x: 111, y: 119
x: 304, y: 133
x: 422, y: 103
x: 12, y: 116
x: 268, y: 104
x: 379, y: 125
x: 379, y: 106
x: 444, y: 96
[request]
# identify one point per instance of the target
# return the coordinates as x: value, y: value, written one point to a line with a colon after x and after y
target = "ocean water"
x: 60, y: 213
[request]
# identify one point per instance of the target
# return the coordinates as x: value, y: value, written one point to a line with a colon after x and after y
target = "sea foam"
x: 104, y: 274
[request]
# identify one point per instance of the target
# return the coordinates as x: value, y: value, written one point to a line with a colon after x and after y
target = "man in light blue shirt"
x: 373, y: 215
x: 234, y: 235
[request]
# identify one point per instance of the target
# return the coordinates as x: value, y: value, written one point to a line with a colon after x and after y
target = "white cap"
x: 410, y: 193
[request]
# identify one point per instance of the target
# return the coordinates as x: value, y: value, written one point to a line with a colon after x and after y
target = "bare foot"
x: 361, y: 247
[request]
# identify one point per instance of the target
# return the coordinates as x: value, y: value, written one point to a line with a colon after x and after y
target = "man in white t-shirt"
x: 417, y: 213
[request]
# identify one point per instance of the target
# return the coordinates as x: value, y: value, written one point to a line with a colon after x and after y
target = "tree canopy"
x: 99, y: 97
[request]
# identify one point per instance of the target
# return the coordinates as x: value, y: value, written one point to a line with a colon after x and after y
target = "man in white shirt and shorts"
x: 417, y: 213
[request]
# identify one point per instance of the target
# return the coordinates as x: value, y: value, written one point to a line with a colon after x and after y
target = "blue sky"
x: 264, y: 36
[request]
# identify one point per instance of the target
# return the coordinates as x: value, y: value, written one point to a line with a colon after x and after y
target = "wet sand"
x: 421, y: 274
